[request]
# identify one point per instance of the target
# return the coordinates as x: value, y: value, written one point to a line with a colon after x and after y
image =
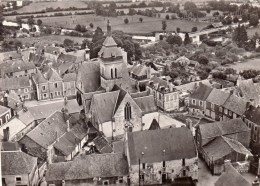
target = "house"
x: 214, y: 101
x: 166, y: 97
x: 20, y: 85
x: 18, y: 168
x: 36, y: 59
x: 102, y: 145
x: 197, y: 99
x: 48, y: 85
x: 66, y: 58
x: 17, y: 68
x: 5, y: 115
x: 11, y: 100
x: 52, y: 53
x: 140, y: 73
x: 12, y: 55
x: 101, y: 169
x: 220, y: 140
x: 69, y: 85
x: 160, y: 156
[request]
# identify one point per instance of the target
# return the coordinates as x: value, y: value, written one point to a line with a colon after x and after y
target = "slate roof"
x: 231, y: 177
x: 102, y: 145
x: 13, y: 100
x: 90, y: 76
x: 146, y: 104
x: 67, y: 58
x: 210, y: 130
x: 253, y: 114
x: 98, y: 165
x: 248, y: 89
x: 217, y: 97
x: 45, y: 110
x: 154, y: 125
x: 79, y: 131
x: 177, y: 142
x: 3, y: 109
x: 9, y: 146
x: 52, y: 75
x: 47, y: 132
x: 118, y: 147
x: 6, y: 55
x: 70, y: 77
x: 14, y: 83
x: 25, y: 116
x: 201, y: 93
x: 139, y: 70
x: 236, y: 104
x: 104, y: 104
x: 39, y: 78
x: 109, y: 41
x: 17, y: 163
x: 158, y: 82
x: 121, y: 96
x: 223, y: 146
x: 52, y: 50
x: 139, y: 94
x: 16, y: 66
x: 110, y: 51
x: 15, y: 126
x: 36, y: 59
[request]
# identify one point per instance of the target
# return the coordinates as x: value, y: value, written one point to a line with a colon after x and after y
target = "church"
x: 109, y: 97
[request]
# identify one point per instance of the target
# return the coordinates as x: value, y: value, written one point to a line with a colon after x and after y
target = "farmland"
x: 148, y: 25
x: 247, y: 65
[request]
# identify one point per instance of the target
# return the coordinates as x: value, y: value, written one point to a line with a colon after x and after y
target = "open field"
x: 50, y: 39
x: 249, y: 64
x: 251, y: 31
x: 149, y: 24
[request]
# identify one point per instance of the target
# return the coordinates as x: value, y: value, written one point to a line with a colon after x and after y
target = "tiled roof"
x: 36, y: 59
x: 102, y: 145
x: 177, y: 142
x: 109, y: 50
x: 215, y: 129
x: 45, y: 110
x: 79, y: 131
x: 223, y: 146
x: 52, y: 75
x: 25, y: 116
x: 109, y: 41
x: 104, y: 104
x: 6, y: 55
x: 236, y: 104
x: 154, y: 125
x: 47, y: 132
x: 201, y: 93
x: 98, y: 165
x: 146, y: 104
x: 69, y: 77
x: 248, y: 89
x: 90, y: 76
x: 3, y: 109
x: 9, y: 146
x: 16, y: 66
x: 253, y: 114
x: 139, y: 70
x: 231, y: 177
x: 15, y: 126
x: 14, y: 83
x: 39, y: 78
x: 218, y: 97
x: 67, y: 58
x: 17, y: 163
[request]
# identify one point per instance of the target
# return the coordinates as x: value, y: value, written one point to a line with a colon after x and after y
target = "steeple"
x: 108, y: 28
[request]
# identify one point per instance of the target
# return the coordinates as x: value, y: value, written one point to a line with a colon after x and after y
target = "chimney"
x: 256, y: 182
x: 149, y: 72
x: 5, y: 100
x: 6, y: 132
x: 68, y: 124
x: 227, y: 164
x: 248, y: 105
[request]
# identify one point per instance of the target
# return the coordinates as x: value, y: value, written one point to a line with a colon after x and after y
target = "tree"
x: 174, y: 39
x: 39, y: 22
x: 68, y: 43
x: 244, y: 17
x: 97, y: 35
x: 126, y: 21
x: 230, y: 71
x: 78, y: 27
x: 190, y: 6
x: 203, y: 60
x: 240, y: 36
x: 141, y: 19
x: 219, y: 75
x: 164, y: 25
x: 254, y: 19
x: 167, y: 17
x: 194, y: 29
x: 86, y: 43
x: 235, y: 19
x: 91, y: 25
x: 187, y: 39
x: 19, y: 20
x: 30, y: 21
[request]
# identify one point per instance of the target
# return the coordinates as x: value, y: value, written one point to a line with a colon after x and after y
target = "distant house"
x: 101, y: 169
x: 102, y: 145
x: 12, y: 55
x: 223, y: 140
x: 21, y: 86
x: 5, y: 115
x: 12, y: 101
x: 17, y: 68
x: 160, y: 156
x: 18, y: 168
x: 52, y: 53
x: 166, y: 97
x: 69, y: 85
x: 36, y: 59
x: 48, y: 85
x: 140, y: 73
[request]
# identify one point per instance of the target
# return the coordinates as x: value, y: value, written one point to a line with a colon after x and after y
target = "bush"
x: 236, y: 50
x: 203, y: 60
x: 220, y: 53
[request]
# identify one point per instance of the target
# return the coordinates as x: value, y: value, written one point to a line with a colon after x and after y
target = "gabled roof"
x: 223, y: 146
x: 253, y: 114
x: 53, y: 76
x: 248, y: 89
x: 3, y: 109
x: 15, y: 126
x: 201, y: 93
x: 109, y: 41
x: 236, y: 104
x: 177, y: 142
x: 217, y: 97
x: 146, y: 104
x: 70, y: 77
x: 52, y: 50
x: 79, y: 131
x: 14, y: 83
x: 39, y: 78
x: 67, y: 58
x: 215, y: 129
x: 7, y: 55
x: 110, y: 51
x: 16, y: 66
x: 139, y: 70
x: 17, y: 163
x: 25, y: 116
x: 36, y: 59
x: 102, y: 145
x: 154, y: 125
x: 9, y: 146
x: 103, y: 105
x: 121, y: 96
x: 98, y: 165
x: 49, y: 130
x: 231, y: 177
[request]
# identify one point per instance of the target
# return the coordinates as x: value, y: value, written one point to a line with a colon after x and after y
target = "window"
x: 249, y: 124
x: 18, y: 179
x: 220, y: 109
x: 160, y: 96
x: 212, y: 106
x: 112, y: 74
x: 115, y: 72
x: 194, y: 102
x: 105, y: 182
x: 142, y: 177
x: 43, y: 87
x: 201, y: 103
x: 26, y: 71
x: 120, y: 180
x: 255, y: 137
x: 183, y: 161
x: 128, y: 114
x: 56, y: 85
x: 255, y: 128
x: 7, y: 117
x: 44, y: 95
x: 225, y: 111
x: 26, y: 90
x: 1, y: 121
x: 230, y: 113
x: 143, y: 165
x: 163, y: 163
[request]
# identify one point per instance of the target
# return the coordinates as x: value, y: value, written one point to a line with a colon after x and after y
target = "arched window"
x: 115, y: 72
x: 128, y: 112
x: 112, y: 74
x: 7, y: 117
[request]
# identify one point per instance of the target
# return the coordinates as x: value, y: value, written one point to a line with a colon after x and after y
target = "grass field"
x: 50, y: 39
x: 251, y: 31
x: 148, y: 25
x: 247, y: 65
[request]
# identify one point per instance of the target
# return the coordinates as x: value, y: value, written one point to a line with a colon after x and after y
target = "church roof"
x: 109, y: 41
